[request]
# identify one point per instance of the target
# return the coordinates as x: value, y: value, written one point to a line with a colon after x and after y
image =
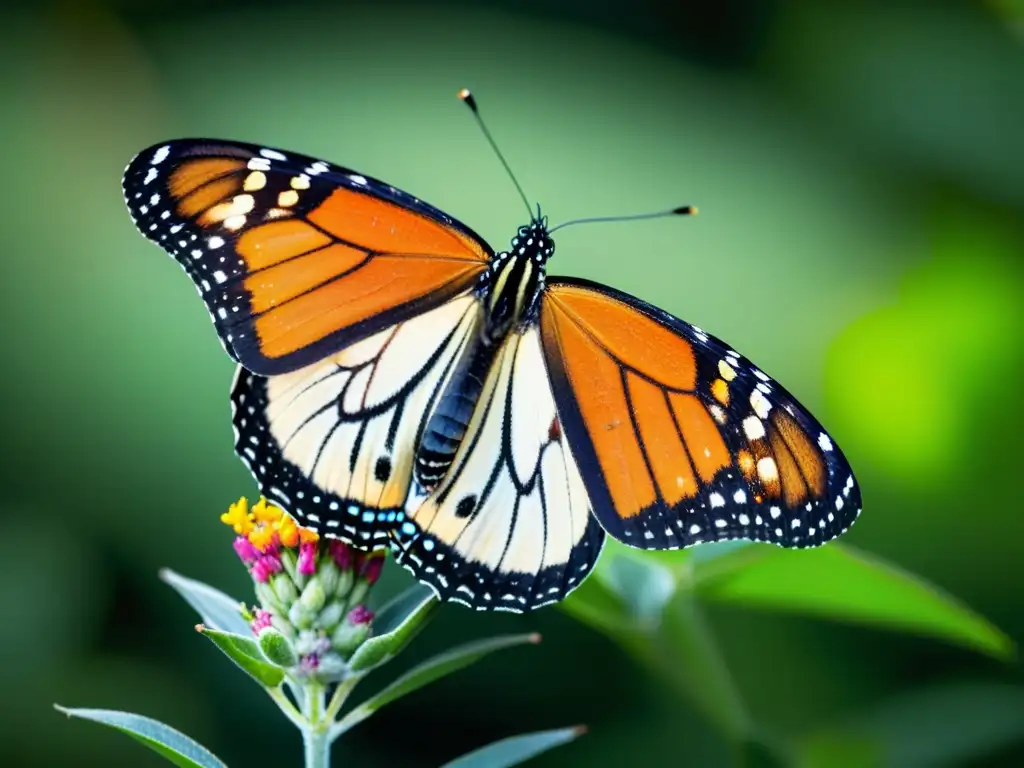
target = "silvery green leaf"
x: 216, y: 609
x: 245, y: 652
x: 516, y: 749
x: 173, y: 745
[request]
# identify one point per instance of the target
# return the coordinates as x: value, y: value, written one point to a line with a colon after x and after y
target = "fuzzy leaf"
x: 396, y: 624
x: 429, y: 671
x: 516, y: 749
x: 246, y: 653
x: 173, y: 745
x: 217, y: 610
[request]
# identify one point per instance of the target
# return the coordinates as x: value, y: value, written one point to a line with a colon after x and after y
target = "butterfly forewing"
x: 680, y: 439
x: 333, y: 442
x: 294, y: 257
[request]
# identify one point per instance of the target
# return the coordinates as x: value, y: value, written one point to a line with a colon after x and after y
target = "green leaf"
x: 839, y: 582
x: 216, y: 609
x: 516, y: 749
x: 428, y: 672
x: 952, y: 724
x: 162, y: 739
x: 643, y: 586
x: 396, y: 624
x: 245, y: 652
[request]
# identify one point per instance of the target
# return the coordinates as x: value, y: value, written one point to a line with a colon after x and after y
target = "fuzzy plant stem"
x: 315, y: 740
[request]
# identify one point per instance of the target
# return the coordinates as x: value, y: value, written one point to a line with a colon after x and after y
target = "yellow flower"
x: 262, y: 537
x: 288, y: 531
x: 306, y: 536
x: 237, y: 517
x: 262, y: 512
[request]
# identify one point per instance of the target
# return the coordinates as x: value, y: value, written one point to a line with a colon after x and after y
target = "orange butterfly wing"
x: 679, y: 439
x: 294, y: 257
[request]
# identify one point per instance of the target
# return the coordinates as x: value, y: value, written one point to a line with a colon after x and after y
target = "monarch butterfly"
x: 401, y: 384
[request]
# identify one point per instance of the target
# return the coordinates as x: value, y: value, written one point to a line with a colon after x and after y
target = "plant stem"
x: 279, y: 697
x: 341, y: 692
x: 316, y: 744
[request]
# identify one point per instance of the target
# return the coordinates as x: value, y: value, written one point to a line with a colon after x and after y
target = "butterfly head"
x: 533, y: 242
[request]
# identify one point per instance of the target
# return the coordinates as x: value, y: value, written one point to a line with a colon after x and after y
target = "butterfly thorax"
x: 515, y: 279
x: 510, y: 297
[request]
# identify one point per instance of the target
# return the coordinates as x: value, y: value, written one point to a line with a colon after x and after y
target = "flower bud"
x: 313, y: 597
x: 345, y: 581
x: 284, y: 588
x: 261, y: 620
x: 282, y: 626
x: 372, y: 566
x: 300, y: 617
x: 268, y: 599
x: 265, y: 567
x: 246, y: 552
x: 341, y: 553
x: 307, y: 558
x: 330, y: 616
x: 276, y: 648
x: 353, y: 631
x: 328, y: 575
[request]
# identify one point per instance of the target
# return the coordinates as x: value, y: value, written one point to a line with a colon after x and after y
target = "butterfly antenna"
x: 470, y: 102
x: 683, y: 210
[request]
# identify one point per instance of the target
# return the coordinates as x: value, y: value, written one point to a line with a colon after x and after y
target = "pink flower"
x: 245, y: 550
x: 262, y: 620
x: 309, y: 663
x: 265, y: 567
x: 360, y: 615
x: 307, y: 558
x: 341, y: 554
x: 371, y: 569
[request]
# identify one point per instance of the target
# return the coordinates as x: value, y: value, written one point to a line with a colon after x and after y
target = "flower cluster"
x: 311, y: 616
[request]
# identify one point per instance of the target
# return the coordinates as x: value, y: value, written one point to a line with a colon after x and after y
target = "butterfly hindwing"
x: 296, y: 258
x: 679, y: 439
x: 333, y: 443
x: 509, y: 527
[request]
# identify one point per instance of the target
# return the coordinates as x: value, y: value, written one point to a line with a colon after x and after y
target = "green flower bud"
x: 358, y: 593
x: 313, y: 597
x: 345, y: 581
x: 282, y: 625
x: 276, y: 648
x: 329, y: 576
x: 284, y: 588
x: 330, y: 616
x: 300, y: 617
x: 288, y: 561
x: 353, y: 631
x: 269, y: 600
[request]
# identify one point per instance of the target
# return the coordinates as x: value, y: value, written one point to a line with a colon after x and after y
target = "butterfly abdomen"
x: 447, y: 426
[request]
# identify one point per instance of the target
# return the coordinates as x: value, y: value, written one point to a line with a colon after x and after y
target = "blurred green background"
x: 860, y: 176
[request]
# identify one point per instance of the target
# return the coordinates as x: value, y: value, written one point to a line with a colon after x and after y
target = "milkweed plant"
x: 310, y: 638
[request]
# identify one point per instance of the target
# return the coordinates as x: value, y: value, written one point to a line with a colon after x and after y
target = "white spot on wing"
x: 161, y: 154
